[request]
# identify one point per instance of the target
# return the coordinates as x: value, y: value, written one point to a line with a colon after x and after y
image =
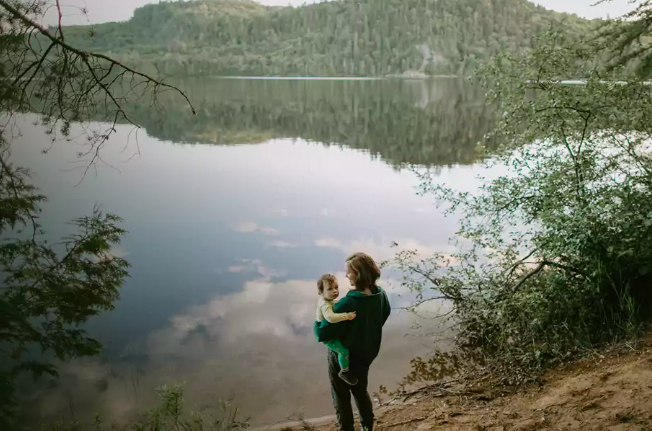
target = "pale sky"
x: 121, y: 10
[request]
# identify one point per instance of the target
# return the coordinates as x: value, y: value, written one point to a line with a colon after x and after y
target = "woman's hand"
x: 350, y: 315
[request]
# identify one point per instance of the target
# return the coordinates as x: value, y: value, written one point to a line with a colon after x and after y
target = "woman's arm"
x: 387, y: 309
x: 330, y: 332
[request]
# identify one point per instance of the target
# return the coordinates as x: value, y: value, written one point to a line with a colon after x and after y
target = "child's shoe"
x: 348, y: 377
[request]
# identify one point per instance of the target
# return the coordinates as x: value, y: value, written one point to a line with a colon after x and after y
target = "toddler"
x: 329, y: 291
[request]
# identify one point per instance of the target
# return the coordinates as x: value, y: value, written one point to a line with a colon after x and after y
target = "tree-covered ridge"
x: 427, y: 123
x: 347, y: 37
x: 164, y: 24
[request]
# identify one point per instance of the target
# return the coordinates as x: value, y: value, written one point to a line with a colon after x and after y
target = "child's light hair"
x: 325, y: 281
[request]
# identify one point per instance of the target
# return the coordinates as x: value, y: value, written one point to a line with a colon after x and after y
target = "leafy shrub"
x: 554, y: 256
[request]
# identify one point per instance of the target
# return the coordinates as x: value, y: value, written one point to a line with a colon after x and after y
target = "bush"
x: 556, y: 257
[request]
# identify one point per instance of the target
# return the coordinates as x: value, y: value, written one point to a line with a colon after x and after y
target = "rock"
x: 526, y: 425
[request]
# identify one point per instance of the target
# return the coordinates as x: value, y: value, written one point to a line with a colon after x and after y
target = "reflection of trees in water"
x: 438, y: 122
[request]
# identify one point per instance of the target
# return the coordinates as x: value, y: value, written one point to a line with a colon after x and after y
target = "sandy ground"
x: 609, y: 391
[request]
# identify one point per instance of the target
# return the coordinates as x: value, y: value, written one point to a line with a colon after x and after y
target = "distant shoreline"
x: 335, y: 78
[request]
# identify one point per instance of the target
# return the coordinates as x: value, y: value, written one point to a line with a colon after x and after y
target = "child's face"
x: 331, y: 290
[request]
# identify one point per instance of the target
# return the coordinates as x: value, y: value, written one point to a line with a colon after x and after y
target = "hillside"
x: 609, y: 391
x: 347, y: 37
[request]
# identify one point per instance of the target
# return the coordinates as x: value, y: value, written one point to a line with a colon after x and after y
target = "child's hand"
x: 351, y: 315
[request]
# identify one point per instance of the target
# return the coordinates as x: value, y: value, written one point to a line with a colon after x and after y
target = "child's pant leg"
x: 342, y: 353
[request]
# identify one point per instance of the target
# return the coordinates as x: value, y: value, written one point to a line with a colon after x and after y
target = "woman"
x: 362, y: 336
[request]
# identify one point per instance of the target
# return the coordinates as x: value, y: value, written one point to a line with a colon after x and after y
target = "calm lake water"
x: 232, y: 216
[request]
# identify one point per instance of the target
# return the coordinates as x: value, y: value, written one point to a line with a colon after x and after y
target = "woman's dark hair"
x: 323, y: 281
x: 365, y: 269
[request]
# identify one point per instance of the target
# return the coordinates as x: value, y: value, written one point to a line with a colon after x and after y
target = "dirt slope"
x: 608, y: 392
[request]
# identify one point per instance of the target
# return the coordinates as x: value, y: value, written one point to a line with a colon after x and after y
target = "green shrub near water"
x: 555, y: 253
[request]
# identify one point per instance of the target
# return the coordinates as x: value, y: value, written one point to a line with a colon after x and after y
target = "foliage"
x: 429, y: 123
x: 628, y: 39
x: 349, y: 37
x: 553, y: 251
x: 170, y: 414
x: 49, y: 290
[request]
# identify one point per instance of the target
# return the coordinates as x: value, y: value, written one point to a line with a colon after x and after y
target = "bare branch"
x: 86, y: 55
x: 416, y: 304
x: 417, y: 270
x: 60, y: 19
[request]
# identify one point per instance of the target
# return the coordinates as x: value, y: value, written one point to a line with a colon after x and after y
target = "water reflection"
x: 255, y: 345
x: 430, y: 123
x: 226, y: 242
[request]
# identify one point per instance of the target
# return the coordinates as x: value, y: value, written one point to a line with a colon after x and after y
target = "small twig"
x: 423, y: 301
x: 409, y: 421
x: 424, y: 274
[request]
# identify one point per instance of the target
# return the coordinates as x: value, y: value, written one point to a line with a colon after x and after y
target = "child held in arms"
x: 328, y: 290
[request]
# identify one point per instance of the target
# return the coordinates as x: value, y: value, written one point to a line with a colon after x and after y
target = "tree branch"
x: 521, y: 262
x: 539, y: 268
x: 60, y: 19
x: 17, y: 14
x: 424, y: 274
x: 416, y: 304
x: 38, y: 63
x: 529, y: 275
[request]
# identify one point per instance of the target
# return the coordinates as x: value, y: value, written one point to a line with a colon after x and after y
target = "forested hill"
x: 347, y: 37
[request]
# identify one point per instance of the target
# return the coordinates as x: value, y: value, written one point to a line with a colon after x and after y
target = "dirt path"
x: 604, y: 393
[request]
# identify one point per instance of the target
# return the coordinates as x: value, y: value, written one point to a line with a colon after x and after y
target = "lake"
x: 233, y: 214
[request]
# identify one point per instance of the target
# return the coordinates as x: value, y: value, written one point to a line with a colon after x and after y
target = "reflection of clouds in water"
x: 255, y: 266
x: 262, y: 307
x: 282, y: 244
x: 246, y: 227
x: 269, y: 230
x: 255, y: 345
x: 237, y: 268
x: 118, y: 251
x: 260, y: 341
x: 250, y: 227
x: 383, y: 249
x: 82, y: 377
x: 281, y: 212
